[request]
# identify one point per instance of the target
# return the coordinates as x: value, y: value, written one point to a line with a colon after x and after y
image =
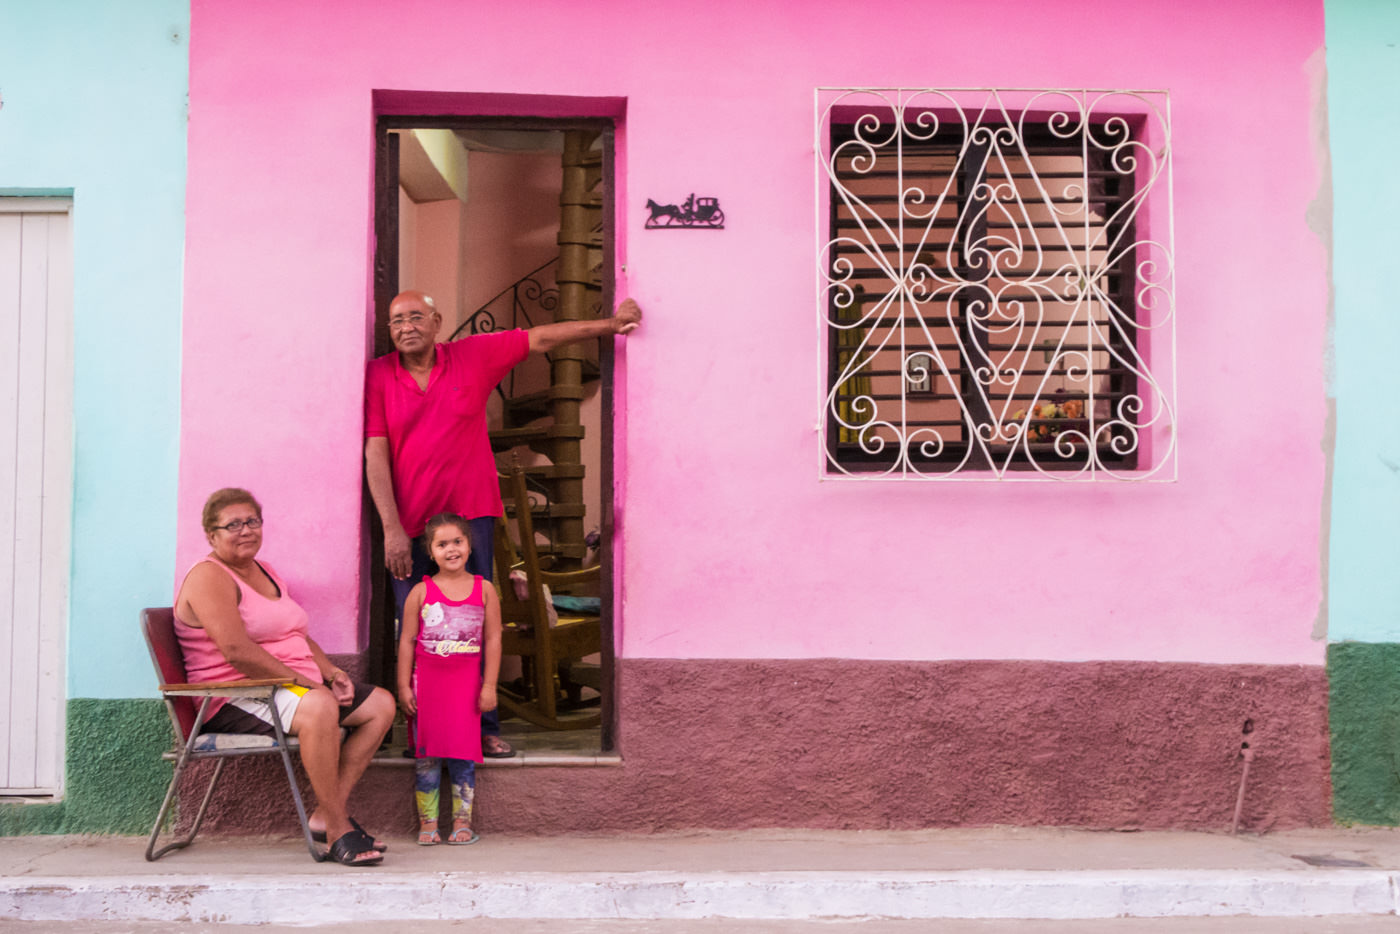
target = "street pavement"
x: 1035, y: 880
x: 1239, y: 925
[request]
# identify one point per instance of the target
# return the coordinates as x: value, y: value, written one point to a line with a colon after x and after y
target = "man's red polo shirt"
x: 438, y: 447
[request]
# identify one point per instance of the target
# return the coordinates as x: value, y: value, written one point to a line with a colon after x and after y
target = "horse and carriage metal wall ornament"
x: 697, y: 213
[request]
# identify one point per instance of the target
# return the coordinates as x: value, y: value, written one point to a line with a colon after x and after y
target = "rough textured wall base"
x: 855, y: 744
x: 115, y: 777
x: 1364, y: 683
x: 860, y: 744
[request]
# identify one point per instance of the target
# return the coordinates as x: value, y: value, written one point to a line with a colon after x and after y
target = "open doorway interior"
x: 509, y: 226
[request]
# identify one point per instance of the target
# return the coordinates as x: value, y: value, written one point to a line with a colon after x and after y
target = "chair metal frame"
x: 186, y: 721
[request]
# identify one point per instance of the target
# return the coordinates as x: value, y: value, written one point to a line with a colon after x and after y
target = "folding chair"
x: 186, y: 721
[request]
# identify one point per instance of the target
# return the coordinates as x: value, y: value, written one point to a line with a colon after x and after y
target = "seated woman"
x: 235, y: 619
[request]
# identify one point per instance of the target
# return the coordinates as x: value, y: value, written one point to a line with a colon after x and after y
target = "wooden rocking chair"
x: 186, y: 720
x: 525, y: 624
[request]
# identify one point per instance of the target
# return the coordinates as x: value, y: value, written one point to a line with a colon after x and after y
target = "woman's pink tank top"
x: 280, y: 626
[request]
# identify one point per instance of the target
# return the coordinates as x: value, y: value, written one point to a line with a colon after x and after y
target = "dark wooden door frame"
x: 386, y: 286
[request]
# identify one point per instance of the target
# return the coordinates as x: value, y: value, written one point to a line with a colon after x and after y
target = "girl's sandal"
x: 429, y: 836
x: 463, y: 836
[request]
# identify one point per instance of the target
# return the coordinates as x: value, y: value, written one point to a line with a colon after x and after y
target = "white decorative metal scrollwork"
x: 996, y: 284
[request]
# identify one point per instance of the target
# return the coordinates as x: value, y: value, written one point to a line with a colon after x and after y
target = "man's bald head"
x: 413, y: 323
x: 410, y: 299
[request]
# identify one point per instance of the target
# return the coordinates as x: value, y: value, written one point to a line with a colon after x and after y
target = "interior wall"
x: 437, y: 266
x: 429, y: 234
x: 512, y: 219
x: 408, y: 239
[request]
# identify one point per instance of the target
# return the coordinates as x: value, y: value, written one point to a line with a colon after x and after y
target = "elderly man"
x: 426, y: 444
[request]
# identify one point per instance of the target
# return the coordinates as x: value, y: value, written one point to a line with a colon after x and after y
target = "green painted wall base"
x: 1364, y: 701
x: 115, y: 775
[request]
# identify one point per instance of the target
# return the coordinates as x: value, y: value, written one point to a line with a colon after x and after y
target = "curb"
x: 368, y: 895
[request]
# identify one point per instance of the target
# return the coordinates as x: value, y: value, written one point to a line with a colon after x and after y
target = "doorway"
x: 36, y: 484
x: 508, y: 222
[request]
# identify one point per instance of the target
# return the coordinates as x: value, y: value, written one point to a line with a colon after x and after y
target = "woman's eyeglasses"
x: 237, y: 525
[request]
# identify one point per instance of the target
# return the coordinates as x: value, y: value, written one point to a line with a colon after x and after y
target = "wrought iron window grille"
x: 996, y: 284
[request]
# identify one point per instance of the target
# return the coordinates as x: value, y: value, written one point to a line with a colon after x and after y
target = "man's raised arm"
x: 546, y: 337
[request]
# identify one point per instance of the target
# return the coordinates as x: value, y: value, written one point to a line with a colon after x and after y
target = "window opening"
x: 996, y: 284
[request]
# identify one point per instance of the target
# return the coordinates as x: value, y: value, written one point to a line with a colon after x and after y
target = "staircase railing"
x: 510, y: 308
x: 536, y: 290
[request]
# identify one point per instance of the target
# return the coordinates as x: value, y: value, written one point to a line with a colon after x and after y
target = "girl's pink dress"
x: 447, y: 675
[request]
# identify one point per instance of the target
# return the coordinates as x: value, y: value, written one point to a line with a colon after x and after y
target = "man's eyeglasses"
x: 413, y: 320
x: 237, y: 525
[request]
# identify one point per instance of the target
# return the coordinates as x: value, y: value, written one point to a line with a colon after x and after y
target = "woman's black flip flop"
x: 319, y: 836
x: 354, y: 844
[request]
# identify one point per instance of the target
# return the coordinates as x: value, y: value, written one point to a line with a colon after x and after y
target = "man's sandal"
x: 493, y: 747
x: 463, y: 836
x: 347, y: 849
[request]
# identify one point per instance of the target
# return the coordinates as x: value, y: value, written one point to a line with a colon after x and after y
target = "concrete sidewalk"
x: 747, y: 875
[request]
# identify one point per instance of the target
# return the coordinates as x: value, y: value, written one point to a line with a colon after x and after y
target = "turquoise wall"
x: 1363, y: 69
x: 93, y: 98
x: 1363, y: 72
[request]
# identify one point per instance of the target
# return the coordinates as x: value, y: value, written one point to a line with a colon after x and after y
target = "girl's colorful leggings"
x: 428, y: 779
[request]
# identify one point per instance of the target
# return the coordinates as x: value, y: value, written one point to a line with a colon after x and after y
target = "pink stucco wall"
x: 732, y: 547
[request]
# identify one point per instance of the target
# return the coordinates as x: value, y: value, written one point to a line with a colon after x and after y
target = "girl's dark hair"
x: 438, y: 521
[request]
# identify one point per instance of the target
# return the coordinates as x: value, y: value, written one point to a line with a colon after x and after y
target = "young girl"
x: 449, y: 620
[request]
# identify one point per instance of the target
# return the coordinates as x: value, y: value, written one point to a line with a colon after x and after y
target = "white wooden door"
x: 36, y: 488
